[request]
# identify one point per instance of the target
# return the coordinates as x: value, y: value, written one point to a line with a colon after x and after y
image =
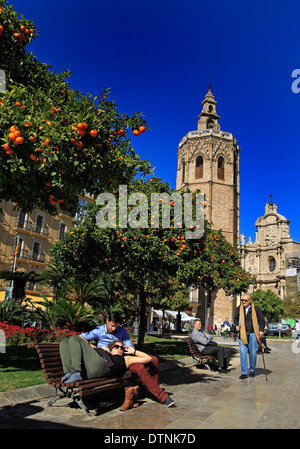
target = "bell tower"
x: 208, y: 160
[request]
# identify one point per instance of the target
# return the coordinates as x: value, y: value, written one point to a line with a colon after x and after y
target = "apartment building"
x: 26, y: 240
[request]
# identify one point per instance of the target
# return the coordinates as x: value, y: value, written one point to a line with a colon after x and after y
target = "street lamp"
x: 205, y: 310
x: 136, y: 322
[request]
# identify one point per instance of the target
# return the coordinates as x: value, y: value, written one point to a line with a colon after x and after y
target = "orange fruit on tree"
x: 19, y: 140
x: 32, y: 139
x: 33, y: 157
x: 6, y: 146
x: 80, y: 126
x: 142, y: 129
x: 81, y: 132
x: 93, y: 132
x: 11, y: 136
x: 27, y: 124
x: 136, y: 132
x: 9, y: 152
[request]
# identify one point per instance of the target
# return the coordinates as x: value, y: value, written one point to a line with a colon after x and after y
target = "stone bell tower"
x: 208, y: 160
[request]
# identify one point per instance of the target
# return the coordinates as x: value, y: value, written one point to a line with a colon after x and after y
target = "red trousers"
x: 150, y: 379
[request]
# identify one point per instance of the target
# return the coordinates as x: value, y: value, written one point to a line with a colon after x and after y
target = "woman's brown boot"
x: 128, y: 403
x: 136, y: 396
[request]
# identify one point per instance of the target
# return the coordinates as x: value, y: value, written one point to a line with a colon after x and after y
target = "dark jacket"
x: 248, y: 319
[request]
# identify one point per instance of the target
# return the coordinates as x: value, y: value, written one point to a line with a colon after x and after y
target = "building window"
x: 272, y: 264
x: 199, y: 167
x: 21, y: 219
x: 221, y: 174
x: 183, y: 172
x: 39, y: 224
x: 62, y: 230
x: 209, y: 124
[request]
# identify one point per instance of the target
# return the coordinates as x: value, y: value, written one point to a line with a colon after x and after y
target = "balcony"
x: 25, y: 225
x: 41, y: 230
x: 37, y: 257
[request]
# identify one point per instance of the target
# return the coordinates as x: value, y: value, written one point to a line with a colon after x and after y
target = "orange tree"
x: 144, y: 260
x: 55, y: 142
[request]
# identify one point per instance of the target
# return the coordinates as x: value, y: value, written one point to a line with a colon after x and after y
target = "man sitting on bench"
x: 206, y: 345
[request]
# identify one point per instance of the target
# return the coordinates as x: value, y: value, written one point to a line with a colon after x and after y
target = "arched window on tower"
x: 209, y: 124
x: 221, y: 174
x: 183, y: 172
x: 199, y: 167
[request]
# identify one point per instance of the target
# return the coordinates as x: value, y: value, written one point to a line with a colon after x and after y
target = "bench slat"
x: 196, y: 354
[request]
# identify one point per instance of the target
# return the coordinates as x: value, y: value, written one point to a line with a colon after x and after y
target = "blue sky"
x: 156, y: 57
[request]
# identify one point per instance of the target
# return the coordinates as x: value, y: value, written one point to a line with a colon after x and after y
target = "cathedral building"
x: 274, y: 258
x: 208, y: 160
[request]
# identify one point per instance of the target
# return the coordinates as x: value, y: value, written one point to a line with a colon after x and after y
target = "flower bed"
x: 16, y: 335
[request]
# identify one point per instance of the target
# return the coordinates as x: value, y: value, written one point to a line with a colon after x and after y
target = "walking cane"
x: 262, y: 353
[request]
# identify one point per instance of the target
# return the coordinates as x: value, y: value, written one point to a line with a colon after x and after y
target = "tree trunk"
x: 142, y: 328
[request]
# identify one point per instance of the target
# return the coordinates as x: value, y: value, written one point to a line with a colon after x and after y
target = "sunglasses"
x: 119, y: 347
x: 245, y: 300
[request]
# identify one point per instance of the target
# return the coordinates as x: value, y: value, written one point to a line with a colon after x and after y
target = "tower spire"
x: 208, y: 118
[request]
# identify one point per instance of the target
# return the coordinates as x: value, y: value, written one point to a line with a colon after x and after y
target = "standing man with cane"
x: 250, y: 324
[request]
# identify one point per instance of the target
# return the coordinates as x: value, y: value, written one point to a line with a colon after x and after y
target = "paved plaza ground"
x: 204, y: 400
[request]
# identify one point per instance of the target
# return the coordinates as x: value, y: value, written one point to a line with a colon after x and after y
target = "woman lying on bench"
x: 80, y: 361
x: 101, y: 362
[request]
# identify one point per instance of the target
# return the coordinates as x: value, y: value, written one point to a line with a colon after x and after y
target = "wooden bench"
x: 52, y: 368
x: 203, y: 359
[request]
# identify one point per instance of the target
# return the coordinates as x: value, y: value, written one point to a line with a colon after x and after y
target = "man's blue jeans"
x: 252, y: 347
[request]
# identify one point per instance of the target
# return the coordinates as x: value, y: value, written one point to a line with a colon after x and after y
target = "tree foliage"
x: 55, y: 142
x: 270, y: 304
x: 146, y: 261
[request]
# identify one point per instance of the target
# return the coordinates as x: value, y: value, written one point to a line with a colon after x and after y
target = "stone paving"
x: 204, y: 400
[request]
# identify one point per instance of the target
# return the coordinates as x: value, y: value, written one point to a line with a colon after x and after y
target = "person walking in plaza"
x: 250, y: 324
x: 113, y: 330
x: 206, y: 345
